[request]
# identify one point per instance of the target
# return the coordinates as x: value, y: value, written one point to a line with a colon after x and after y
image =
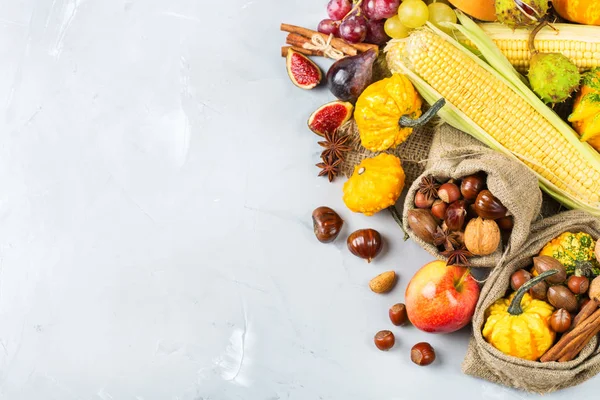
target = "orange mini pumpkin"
x: 585, y: 12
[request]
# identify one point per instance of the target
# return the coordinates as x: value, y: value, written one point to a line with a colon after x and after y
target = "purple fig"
x: 348, y: 77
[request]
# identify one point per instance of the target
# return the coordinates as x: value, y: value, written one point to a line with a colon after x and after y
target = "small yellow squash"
x: 379, y: 109
x: 519, y: 326
x: 375, y: 184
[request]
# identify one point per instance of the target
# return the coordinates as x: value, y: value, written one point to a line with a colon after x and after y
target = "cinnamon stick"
x: 582, y: 342
x: 336, y: 43
x: 296, y: 40
x: 301, y: 50
x: 585, y: 312
x: 571, y: 339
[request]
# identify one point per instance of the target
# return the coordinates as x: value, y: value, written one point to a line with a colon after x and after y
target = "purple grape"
x: 328, y: 26
x: 338, y: 9
x: 380, y: 9
x: 354, y: 28
x: 376, y: 33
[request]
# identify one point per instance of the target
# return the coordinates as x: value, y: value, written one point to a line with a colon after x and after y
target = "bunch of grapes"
x: 415, y: 13
x: 360, y: 20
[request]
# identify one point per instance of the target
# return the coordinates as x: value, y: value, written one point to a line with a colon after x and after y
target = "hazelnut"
x: 398, y: 314
x: 384, y: 340
x: 422, y: 354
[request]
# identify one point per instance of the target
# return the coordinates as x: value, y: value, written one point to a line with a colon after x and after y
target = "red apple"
x: 441, y: 298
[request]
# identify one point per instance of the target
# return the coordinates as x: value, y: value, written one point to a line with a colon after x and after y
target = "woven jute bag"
x: 485, y: 361
x: 454, y: 154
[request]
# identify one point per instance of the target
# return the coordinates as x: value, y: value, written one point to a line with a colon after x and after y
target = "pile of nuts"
x: 459, y: 215
x: 567, y: 295
x: 367, y: 244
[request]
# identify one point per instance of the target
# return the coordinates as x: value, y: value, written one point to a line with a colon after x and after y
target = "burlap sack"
x: 484, y: 361
x: 455, y: 154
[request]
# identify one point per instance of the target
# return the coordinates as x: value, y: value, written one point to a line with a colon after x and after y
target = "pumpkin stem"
x: 408, y: 122
x: 398, y: 218
x: 515, y: 305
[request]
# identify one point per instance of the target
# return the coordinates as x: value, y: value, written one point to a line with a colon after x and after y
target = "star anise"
x: 329, y: 167
x: 449, y: 239
x: 458, y: 257
x: 428, y: 187
x: 335, y: 145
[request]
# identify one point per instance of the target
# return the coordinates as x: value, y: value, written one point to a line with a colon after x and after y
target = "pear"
x: 515, y: 13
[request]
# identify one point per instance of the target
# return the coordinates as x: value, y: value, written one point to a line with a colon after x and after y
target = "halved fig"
x: 302, y: 71
x: 330, y: 117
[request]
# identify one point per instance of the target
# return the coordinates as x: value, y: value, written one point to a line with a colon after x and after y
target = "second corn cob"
x: 501, y: 112
x: 580, y: 43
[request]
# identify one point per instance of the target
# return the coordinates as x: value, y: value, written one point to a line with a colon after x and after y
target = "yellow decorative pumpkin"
x: 519, y: 326
x: 375, y: 184
x: 571, y: 249
x: 379, y: 109
x: 585, y: 12
x: 586, y: 109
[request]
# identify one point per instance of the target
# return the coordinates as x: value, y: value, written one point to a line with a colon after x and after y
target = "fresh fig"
x: 302, y: 71
x: 329, y: 117
x: 348, y: 77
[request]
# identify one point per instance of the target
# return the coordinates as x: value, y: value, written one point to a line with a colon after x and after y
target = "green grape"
x: 439, y: 12
x: 437, y: 1
x: 394, y: 28
x: 413, y: 13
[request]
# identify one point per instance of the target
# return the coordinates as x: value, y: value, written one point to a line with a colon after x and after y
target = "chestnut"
x: 365, y: 243
x: 489, y: 207
x: 449, y: 192
x: 471, y: 186
x: 422, y: 354
x: 455, y: 215
x: 384, y: 340
x: 438, y: 209
x: 560, y: 321
x: 398, y: 314
x: 423, y: 201
x: 518, y: 279
x: 327, y: 224
x: 506, y: 223
x: 578, y: 284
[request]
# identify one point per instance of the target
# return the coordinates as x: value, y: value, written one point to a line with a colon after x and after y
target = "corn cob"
x: 580, y: 43
x: 501, y: 114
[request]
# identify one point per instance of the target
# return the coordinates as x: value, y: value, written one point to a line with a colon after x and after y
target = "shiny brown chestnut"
x: 560, y: 321
x: 423, y: 201
x: 519, y: 278
x: 449, y: 192
x: 506, y: 223
x: 455, y: 215
x: 489, y: 207
x: 398, y: 314
x: 365, y: 243
x: 422, y: 354
x: 384, y: 340
x: 471, y: 186
x: 578, y: 284
x: 327, y: 224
